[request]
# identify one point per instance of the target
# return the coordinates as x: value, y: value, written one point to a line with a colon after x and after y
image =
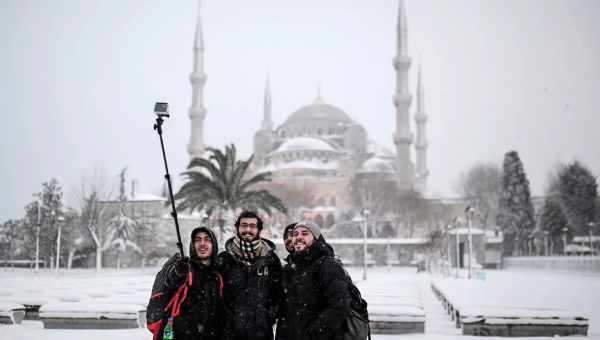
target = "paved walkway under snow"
x: 437, y: 321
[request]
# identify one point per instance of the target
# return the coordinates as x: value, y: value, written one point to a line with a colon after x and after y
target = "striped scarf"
x: 249, y: 250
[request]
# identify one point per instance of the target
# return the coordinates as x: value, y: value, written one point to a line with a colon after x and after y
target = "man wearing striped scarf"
x: 252, y: 278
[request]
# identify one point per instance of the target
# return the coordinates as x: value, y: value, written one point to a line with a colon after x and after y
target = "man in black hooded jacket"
x: 201, y: 312
x: 252, y: 276
x: 316, y: 299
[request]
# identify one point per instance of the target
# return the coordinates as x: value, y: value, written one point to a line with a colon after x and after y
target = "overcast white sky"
x: 78, y: 81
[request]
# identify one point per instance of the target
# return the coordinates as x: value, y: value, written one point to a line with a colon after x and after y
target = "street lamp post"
x: 546, y: 242
x: 457, y: 244
x: 591, y: 225
x: 38, y: 221
x: 365, y: 212
x: 564, y: 239
x: 469, y: 211
x: 448, y: 259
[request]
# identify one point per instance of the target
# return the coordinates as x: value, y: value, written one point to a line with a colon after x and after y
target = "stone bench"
x: 499, y: 320
x: 90, y: 315
x: 11, y: 313
x: 31, y: 303
x: 399, y: 319
x: 521, y: 322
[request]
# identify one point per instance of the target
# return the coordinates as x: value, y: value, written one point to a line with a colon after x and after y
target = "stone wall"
x: 563, y: 263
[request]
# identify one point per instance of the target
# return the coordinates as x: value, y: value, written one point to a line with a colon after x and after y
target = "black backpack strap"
x: 348, y: 280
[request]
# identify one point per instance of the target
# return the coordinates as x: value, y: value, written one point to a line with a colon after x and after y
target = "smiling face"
x: 203, y: 246
x: 302, y: 238
x: 248, y: 229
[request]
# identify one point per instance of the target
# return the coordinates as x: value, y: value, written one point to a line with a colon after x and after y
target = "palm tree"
x: 218, y: 185
x: 121, y: 231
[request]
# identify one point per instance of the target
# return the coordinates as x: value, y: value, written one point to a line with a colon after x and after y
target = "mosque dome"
x: 376, y: 165
x: 304, y: 144
x: 377, y: 150
x: 318, y: 112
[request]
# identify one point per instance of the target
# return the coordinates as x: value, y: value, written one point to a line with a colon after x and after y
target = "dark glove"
x: 178, y: 271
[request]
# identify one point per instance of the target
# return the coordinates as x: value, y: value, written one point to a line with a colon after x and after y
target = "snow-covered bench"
x: 500, y: 319
x: 521, y: 322
x: 11, y: 313
x: 397, y: 319
x: 396, y: 310
x: 90, y: 315
x: 30, y: 302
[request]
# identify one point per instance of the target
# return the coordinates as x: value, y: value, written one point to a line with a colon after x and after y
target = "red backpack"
x: 164, y: 302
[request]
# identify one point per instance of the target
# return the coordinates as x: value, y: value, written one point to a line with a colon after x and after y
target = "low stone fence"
x: 482, y: 311
x: 563, y: 263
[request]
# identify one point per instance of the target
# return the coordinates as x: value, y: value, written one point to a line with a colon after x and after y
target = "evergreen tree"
x: 515, y: 211
x: 10, y: 234
x: 553, y: 220
x: 50, y: 215
x: 578, y: 192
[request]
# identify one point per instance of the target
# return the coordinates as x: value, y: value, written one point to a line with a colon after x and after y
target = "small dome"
x: 377, y: 150
x: 376, y: 165
x: 304, y: 143
x: 318, y: 111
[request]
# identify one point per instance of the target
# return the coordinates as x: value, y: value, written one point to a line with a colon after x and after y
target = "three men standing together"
x: 308, y: 298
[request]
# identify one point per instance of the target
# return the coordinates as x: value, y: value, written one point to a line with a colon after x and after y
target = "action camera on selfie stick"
x: 162, y: 110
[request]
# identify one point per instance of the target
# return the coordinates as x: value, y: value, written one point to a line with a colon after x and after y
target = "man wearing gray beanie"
x: 317, y: 298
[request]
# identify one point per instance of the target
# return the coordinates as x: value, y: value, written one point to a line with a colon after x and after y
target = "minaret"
x: 197, y: 111
x: 267, y: 123
x: 402, y: 100
x: 421, y: 142
x: 264, y: 137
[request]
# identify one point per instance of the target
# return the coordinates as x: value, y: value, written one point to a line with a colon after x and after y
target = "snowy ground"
x: 575, y: 292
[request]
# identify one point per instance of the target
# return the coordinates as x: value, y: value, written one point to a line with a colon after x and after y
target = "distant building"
x: 486, y: 247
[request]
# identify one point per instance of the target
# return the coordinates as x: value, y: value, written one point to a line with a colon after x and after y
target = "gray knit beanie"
x: 314, y: 229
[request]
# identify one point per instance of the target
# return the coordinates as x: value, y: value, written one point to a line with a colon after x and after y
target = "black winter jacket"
x: 316, y: 296
x: 252, y: 294
x: 201, y: 313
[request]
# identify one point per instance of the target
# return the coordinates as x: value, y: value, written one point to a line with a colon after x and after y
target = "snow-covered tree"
x: 578, y: 192
x: 515, y: 210
x: 95, y: 187
x: 9, y: 238
x: 92, y: 218
x: 219, y: 186
x: 50, y: 215
x: 480, y: 186
x: 121, y: 235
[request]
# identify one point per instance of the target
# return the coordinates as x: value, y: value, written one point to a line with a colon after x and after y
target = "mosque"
x: 319, y: 150
x: 318, y: 156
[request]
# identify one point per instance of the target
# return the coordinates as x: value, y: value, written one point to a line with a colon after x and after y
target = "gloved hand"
x: 178, y: 271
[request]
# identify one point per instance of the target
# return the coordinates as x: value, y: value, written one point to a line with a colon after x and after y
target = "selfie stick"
x: 162, y: 110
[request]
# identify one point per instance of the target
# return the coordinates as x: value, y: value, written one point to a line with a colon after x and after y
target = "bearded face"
x: 248, y: 229
x: 302, y: 238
